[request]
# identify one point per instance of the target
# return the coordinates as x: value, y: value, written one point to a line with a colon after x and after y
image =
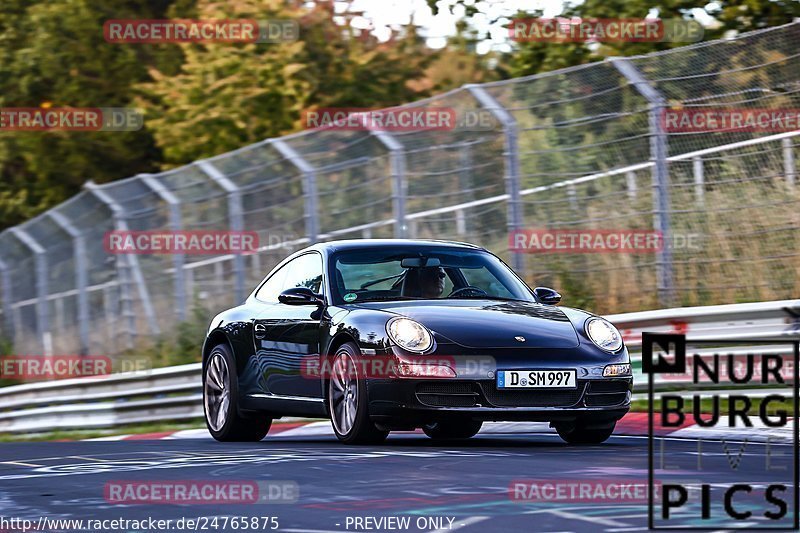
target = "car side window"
x: 305, y: 271
x: 270, y: 290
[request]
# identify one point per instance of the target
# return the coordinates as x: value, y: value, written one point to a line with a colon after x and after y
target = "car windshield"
x: 428, y: 273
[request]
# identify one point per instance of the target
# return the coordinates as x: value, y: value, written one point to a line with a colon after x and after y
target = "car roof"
x: 364, y: 244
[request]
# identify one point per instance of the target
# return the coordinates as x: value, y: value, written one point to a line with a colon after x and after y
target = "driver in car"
x: 431, y: 280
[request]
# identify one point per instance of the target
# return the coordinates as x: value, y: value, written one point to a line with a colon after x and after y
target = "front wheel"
x: 453, y: 430
x: 220, y: 401
x: 579, y: 434
x: 347, y: 400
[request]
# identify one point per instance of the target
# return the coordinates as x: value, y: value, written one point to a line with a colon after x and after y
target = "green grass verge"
x: 133, y: 429
x: 80, y: 434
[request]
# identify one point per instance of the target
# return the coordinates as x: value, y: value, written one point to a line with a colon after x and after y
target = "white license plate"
x: 537, y: 379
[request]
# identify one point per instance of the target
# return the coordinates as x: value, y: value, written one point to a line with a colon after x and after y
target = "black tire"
x: 579, y: 434
x: 219, y: 372
x: 455, y: 430
x: 349, y: 409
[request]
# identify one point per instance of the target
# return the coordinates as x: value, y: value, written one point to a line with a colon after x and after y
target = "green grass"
x: 133, y: 429
x: 156, y: 427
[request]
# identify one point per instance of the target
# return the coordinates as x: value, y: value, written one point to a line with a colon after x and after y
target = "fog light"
x: 611, y: 371
x: 422, y: 370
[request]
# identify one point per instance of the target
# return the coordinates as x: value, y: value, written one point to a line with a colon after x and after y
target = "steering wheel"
x: 468, y: 291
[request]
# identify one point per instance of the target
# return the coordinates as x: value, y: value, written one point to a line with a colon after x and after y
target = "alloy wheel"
x: 216, y: 391
x: 344, y: 393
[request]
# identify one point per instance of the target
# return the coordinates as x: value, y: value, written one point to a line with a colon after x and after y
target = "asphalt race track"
x: 409, y: 476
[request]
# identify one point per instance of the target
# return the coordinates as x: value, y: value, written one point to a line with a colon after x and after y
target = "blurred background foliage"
x: 200, y: 100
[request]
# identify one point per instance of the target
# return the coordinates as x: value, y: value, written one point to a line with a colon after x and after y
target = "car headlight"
x: 603, y: 334
x: 409, y: 334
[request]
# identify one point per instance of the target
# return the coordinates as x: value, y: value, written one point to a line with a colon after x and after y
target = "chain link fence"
x: 581, y: 148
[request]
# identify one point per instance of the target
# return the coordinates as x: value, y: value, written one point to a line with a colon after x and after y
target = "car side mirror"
x: 300, y: 296
x: 546, y: 295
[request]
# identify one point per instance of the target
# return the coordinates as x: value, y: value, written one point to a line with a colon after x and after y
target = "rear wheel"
x: 220, y: 401
x: 347, y: 400
x: 452, y: 430
x: 579, y: 434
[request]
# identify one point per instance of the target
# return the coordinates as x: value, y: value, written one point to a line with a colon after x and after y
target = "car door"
x: 286, y: 335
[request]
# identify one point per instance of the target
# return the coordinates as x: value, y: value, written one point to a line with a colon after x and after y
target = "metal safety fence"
x: 580, y: 148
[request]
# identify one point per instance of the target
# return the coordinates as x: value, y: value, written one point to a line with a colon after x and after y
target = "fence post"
x: 630, y: 180
x: 190, y: 281
x: 81, y: 275
x: 127, y: 263
x: 42, y: 311
x: 175, y: 224
x: 658, y: 155
x: 788, y: 162
x: 255, y: 265
x: 235, y: 219
x: 309, y: 186
x: 397, y: 163
x: 108, y: 310
x: 59, y: 315
x: 515, y: 215
x: 8, y: 313
x: 699, y: 180
x: 572, y: 197
x: 463, y: 222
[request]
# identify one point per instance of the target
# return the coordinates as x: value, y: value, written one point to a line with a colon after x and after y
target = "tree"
x: 458, y: 63
x: 54, y: 54
x: 227, y: 96
x: 729, y: 16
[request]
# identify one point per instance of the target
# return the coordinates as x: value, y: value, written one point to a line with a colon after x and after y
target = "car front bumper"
x: 407, y: 402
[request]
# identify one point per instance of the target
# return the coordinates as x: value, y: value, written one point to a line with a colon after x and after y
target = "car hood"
x: 489, y: 323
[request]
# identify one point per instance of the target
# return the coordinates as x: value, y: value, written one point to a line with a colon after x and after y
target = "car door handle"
x: 259, y: 330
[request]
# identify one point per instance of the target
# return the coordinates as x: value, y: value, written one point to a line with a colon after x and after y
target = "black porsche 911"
x: 382, y: 335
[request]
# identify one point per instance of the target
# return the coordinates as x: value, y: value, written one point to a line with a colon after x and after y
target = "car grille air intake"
x: 452, y: 394
x: 531, y: 398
